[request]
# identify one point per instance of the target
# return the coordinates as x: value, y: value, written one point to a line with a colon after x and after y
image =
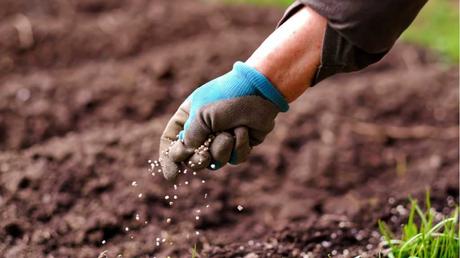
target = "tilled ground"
x: 86, y: 89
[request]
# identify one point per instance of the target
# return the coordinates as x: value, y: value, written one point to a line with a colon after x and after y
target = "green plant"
x: 194, y: 252
x: 424, y: 239
x: 437, y: 27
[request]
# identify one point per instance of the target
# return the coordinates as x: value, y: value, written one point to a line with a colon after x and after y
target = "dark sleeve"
x: 359, y: 32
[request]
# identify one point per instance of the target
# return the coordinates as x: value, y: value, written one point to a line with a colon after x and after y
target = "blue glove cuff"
x: 262, y: 84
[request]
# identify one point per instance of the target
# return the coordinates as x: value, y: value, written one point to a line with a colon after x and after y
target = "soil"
x: 87, y: 87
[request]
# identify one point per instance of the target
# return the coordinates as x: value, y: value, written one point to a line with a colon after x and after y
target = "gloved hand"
x: 237, y: 109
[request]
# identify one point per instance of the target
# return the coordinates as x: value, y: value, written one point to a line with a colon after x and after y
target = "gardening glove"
x: 221, y: 121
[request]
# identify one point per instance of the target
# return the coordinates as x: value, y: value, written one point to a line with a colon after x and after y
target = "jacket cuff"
x: 338, y: 55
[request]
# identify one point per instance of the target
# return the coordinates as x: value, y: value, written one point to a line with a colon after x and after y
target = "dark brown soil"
x: 85, y: 97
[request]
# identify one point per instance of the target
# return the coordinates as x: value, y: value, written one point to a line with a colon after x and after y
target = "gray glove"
x: 221, y: 121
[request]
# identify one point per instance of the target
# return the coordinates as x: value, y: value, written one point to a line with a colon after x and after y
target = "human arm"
x: 239, y: 108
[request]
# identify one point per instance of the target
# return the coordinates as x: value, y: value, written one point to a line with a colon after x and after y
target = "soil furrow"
x: 35, y: 41
x: 44, y: 103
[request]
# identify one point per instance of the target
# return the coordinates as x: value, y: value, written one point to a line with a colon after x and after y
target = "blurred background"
x: 436, y: 25
x: 86, y: 88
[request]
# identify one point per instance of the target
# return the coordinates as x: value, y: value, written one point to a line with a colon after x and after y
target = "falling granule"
x: 185, y: 171
x: 149, y: 161
x: 138, y: 217
x: 167, y: 197
x: 103, y: 242
x: 171, y: 203
x: 175, y: 197
x: 213, y: 166
x: 153, y: 174
x: 197, y: 217
x: 146, y: 222
x: 140, y: 195
x: 198, y: 211
x: 197, y: 233
x: 132, y: 237
x: 163, y: 240
x: 194, y: 173
x: 126, y: 229
x: 168, y: 220
x: 134, y: 183
x: 202, y: 181
x: 186, y: 182
x: 240, y: 208
x: 175, y: 187
x: 205, y: 195
x: 207, y: 205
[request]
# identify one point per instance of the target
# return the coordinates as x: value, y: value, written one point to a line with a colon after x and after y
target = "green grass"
x: 422, y: 237
x: 436, y: 26
x: 194, y: 252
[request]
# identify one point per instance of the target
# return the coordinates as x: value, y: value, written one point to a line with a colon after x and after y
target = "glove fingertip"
x: 178, y: 152
x: 169, y: 168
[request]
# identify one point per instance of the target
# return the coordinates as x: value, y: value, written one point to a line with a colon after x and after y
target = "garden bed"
x: 83, y: 106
